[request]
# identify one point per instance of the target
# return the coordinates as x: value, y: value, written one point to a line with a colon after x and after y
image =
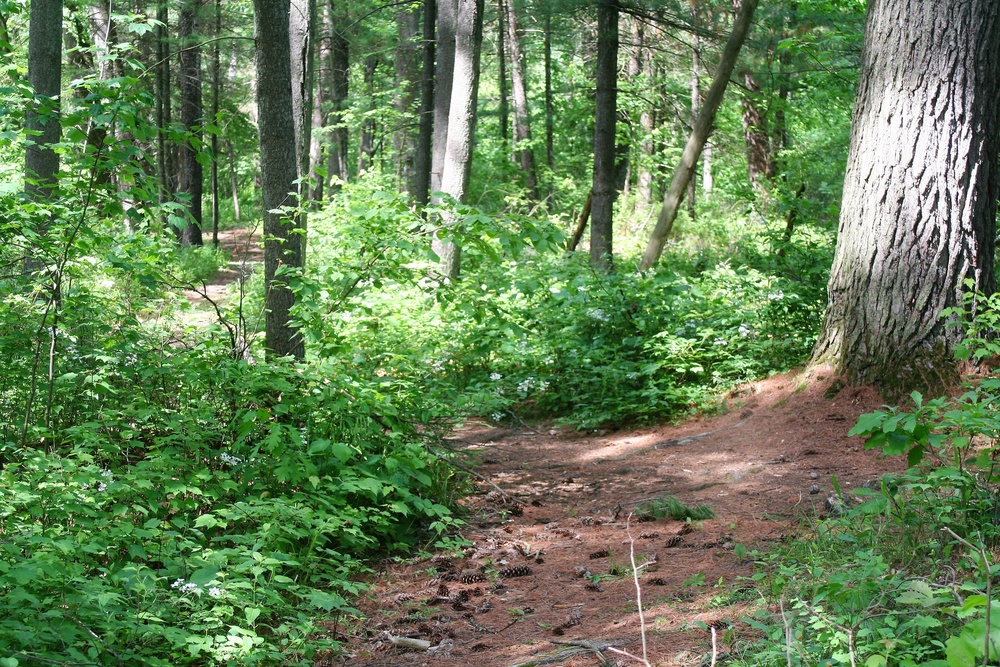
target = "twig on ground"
x: 638, y: 588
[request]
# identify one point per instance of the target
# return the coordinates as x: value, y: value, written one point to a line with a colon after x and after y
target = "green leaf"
x: 251, y: 614
x: 9, y: 662
x: 868, y: 423
x: 204, y: 576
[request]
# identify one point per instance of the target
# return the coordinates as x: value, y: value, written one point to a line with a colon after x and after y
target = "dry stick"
x: 989, y: 591
x: 638, y: 589
x: 715, y: 647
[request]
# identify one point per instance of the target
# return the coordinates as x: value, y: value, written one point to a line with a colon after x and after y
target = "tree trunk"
x: 216, y: 91
x: 443, y: 74
x: 605, y: 117
x: 407, y: 82
x: 164, y: 149
x: 319, y: 141
x: 647, y: 125
x: 502, y: 75
x: 366, y: 143
x: 301, y: 39
x: 276, y: 130
x: 340, y: 64
x: 522, y: 117
x: 760, y: 166
x: 232, y: 180
x: 190, y: 173
x: 550, y: 159
x: 41, y: 163
x: 422, y: 162
x: 462, y: 118
x: 920, y: 193
x: 695, y: 108
x: 685, y: 170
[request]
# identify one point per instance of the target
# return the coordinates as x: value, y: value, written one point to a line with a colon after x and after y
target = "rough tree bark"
x: 301, y: 39
x: 41, y: 162
x: 519, y: 93
x: 190, y: 174
x: 920, y: 192
x: 444, y: 70
x: 425, y: 137
x: 339, y: 81
x: 692, y: 150
x: 504, y: 109
x: 605, y: 117
x: 461, y: 119
x: 550, y: 159
x: 276, y: 131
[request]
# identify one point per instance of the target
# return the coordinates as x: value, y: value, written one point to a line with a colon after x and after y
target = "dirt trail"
x: 246, y: 256
x: 549, y: 562
x: 551, y: 549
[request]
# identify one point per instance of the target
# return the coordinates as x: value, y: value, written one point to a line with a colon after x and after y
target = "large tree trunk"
x: 760, y: 165
x: 422, y: 162
x: 41, y: 163
x: 605, y: 117
x: 692, y: 150
x: 462, y: 118
x: 522, y: 117
x: 276, y: 130
x: 190, y: 173
x: 920, y: 192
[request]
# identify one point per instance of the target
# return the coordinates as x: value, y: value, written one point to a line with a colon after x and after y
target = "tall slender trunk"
x: 301, y: 39
x: 41, y: 162
x: 190, y: 176
x: 647, y: 124
x: 340, y: 63
x: 605, y: 118
x: 462, y: 118
x: 407, y: 85
x: 319, y: 141
x: 522, y: 117
x: 502, y: 74
x: 692, y: 149
x: 422, y: 163
x: 760, y: 166
x: 216, y: 92
x: 276, y: 130
x: 164, y: 148
x: 366, y: 144
x: 550, y: 159
x: 444, y: 69
x: 695, y: 107
x: 232, y: 180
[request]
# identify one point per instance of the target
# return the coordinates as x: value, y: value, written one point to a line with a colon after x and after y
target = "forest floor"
x: 551, y: 526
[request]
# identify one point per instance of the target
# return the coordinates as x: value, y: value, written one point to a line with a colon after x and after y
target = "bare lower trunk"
x: 605, y: 118
x: 522, y: 118
x: 918, y: 217
x: 422, y: 162
x: 190, y: 172
x: 407, y: 87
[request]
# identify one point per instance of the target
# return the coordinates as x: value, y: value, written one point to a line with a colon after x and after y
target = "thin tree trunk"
x: 425, y: 138
x: 462, y: 118
x: 685, y: 170
x: 366, y: 144
x: 191, y: 174
x: 502, y: 76
x: 319, y: 140
x: 605, y: 118
x: 647, y: 124
x: 407, y: 85
x: 522, y: 117
x: 216, y: 91
x: 550, y: 158
x: 301, y: 39
x: 232, y: 181
x: 276, y: 129
x: 339, y: 81
x: 581, y: 223
x: 695, y: 107
x: 443, y: 75
x: 760, y: 167
x: 164, y: 149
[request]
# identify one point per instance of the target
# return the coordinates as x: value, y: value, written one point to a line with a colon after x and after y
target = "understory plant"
x: 903, y: 572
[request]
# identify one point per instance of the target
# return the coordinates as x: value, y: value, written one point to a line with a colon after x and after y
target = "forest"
x: 262, y: 260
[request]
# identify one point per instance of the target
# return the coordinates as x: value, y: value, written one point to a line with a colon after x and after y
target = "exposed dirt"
x: 551, y: 553
x: 552, y: 530
x: 246, y: 253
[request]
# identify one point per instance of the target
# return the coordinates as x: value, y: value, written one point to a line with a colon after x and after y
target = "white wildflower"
x: 495, y: 376
x: 776, y: 296
x: 184, y: 587
x: 631, y: 376
x: 496, y: 416
x: 215, y: 591
x: 745, y: 330
x: 597, y: 314
x: 720, y: 341
x: 543, y: 385
x: 524, y: 386
x: 229, y: 459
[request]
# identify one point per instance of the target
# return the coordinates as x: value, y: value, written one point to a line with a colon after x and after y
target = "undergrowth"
x: 902, y: 572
